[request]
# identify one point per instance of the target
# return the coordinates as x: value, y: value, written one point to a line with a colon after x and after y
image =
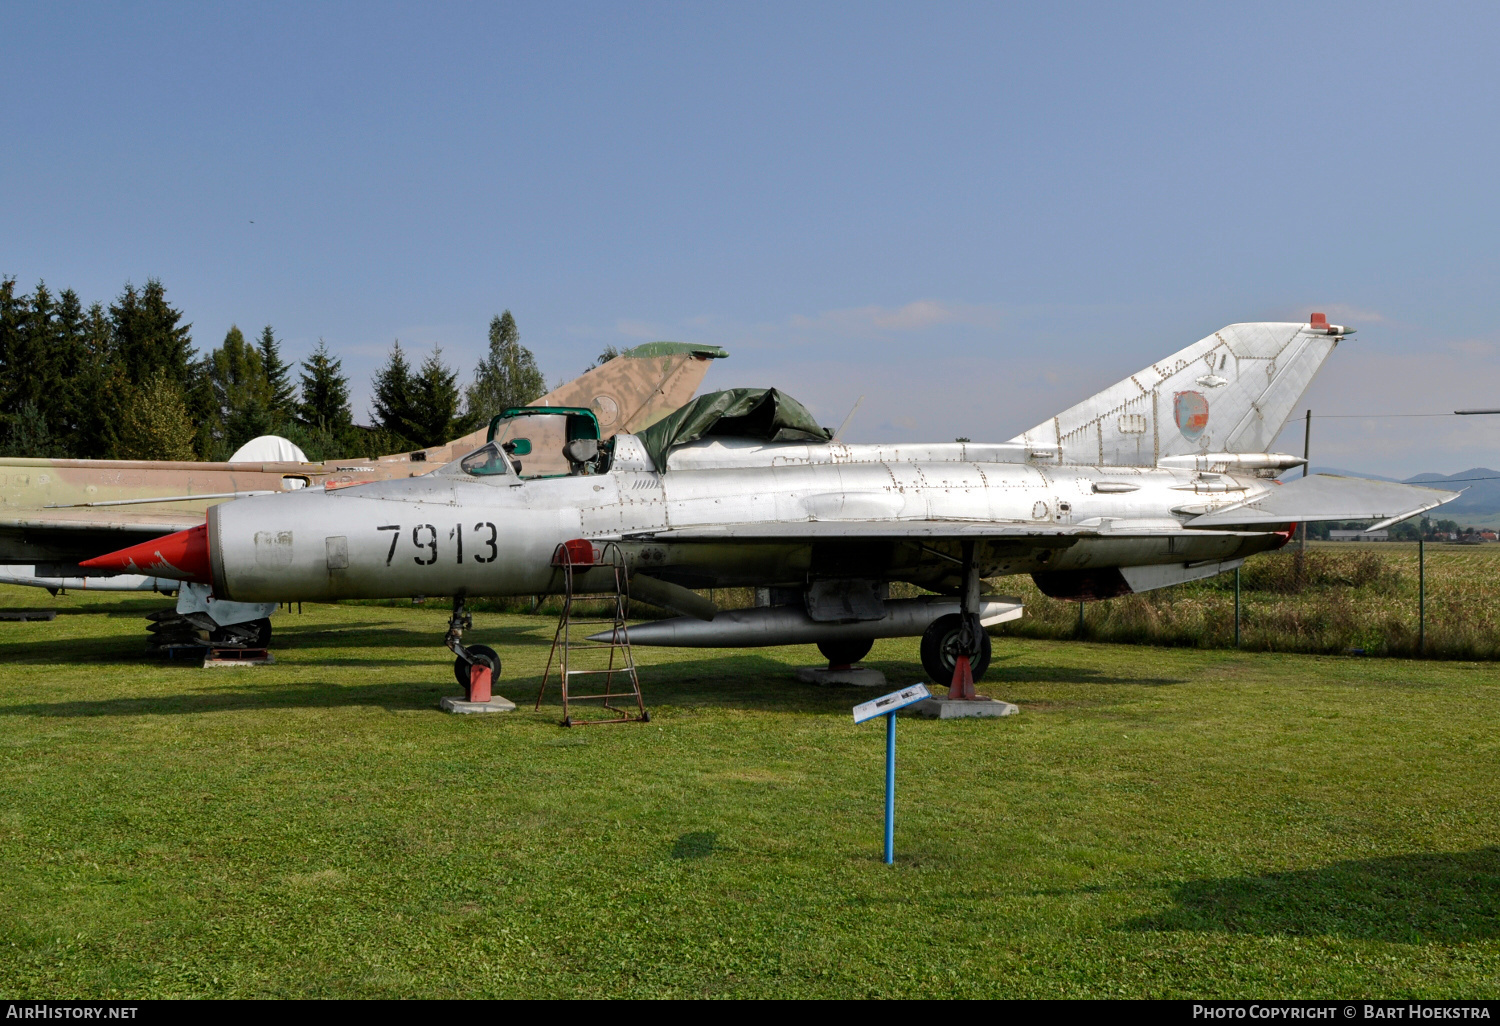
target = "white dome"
x: 268, y: 449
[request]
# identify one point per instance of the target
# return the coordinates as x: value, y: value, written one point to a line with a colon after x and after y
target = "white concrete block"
x: 855, y: 676
x: 941, y: 707
x: 496, y: 704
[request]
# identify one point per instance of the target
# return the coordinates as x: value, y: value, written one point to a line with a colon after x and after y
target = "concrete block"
x: 941, y: 707
x: 855, y: 676
x: 460, y: 705
x: 215, y: 657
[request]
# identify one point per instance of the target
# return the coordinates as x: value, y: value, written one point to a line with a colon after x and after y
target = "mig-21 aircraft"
x: 1163, y: 478
x: 56, y: 513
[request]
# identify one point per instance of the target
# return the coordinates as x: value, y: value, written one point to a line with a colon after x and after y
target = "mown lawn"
x: 1157, y: 822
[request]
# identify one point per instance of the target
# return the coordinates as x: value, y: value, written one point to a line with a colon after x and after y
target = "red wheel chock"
x: 480, y: 679
x: 963, y: 680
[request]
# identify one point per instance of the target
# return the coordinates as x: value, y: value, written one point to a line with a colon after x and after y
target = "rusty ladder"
x: 580, y: 558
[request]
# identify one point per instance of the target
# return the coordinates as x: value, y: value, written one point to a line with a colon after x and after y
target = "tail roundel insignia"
x: 1190, y: 410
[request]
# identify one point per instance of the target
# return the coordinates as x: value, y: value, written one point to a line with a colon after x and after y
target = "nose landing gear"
x: 475, y: 667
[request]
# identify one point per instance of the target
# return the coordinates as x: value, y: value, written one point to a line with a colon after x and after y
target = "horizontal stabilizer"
x: 1328, y: 497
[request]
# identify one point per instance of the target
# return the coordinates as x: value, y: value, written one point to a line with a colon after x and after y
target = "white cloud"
x: 914, y: 316
x: 632, y: 328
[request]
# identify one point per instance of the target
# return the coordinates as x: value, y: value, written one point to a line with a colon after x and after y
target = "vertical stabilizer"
x: 631, y: 391
x: 1230, y: 392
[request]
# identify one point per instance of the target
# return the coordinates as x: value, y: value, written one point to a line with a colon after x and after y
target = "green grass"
x: 1157, y: 822
x: 1339, y: 597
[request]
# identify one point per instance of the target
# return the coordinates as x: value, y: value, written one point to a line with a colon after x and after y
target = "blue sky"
x: 974, y: 215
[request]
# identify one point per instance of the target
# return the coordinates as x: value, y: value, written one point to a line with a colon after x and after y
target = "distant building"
x: 1359, y: 536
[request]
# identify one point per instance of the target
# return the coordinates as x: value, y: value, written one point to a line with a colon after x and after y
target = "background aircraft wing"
x: 71, y: 535
x: 1328, y: 497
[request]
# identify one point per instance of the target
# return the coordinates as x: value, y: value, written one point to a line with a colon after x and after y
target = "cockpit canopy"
x: 539, y: 441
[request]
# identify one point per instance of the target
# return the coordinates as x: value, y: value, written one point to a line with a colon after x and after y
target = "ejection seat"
x: 549, y: 441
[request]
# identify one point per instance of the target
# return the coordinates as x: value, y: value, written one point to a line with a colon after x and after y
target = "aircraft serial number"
x: 424, y: 538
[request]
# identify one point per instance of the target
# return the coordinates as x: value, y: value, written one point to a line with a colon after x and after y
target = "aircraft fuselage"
x: 451, y: 534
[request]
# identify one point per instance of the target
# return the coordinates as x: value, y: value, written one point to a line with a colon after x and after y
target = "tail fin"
x: 632, y: 391
x: 1230, y: 392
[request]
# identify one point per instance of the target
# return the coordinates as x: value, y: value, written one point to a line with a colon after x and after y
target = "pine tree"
x: 392, y: 399
x: 147, y: 337
x: 242, y: 394
x: 434, y: 392
x: 148, y: 341
x: 28, y: 434
x: 506, y: 377
x: 325, y: 393
x: 278, y: 374
x: 102, y: 387
x: 42, y: 358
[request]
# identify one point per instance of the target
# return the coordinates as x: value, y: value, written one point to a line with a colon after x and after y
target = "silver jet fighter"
x: 1161, y: 479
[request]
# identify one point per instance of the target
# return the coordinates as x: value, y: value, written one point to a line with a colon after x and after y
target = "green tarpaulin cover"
x: 762, y: 413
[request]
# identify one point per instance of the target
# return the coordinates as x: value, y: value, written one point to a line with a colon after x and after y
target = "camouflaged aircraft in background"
x: 56, y: 513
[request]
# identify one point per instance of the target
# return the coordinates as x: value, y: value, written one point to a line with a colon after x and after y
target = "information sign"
x: 887, y: 704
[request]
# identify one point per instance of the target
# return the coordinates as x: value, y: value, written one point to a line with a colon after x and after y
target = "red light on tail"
x: 182, y: 556
x: 1319, y: 321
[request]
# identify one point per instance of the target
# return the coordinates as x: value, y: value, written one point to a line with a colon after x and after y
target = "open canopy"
x: 761, y: 413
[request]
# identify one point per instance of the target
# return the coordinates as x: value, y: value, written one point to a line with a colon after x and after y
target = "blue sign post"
x: 888, y: 706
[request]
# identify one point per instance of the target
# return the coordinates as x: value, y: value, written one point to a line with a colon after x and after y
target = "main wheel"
x: 845, y: 653
x: 481, y: 654
x: 249, y: 634
x: 940, y: 650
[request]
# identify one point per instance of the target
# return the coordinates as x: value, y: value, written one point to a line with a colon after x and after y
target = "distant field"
x: 1158, y: 821
x: 1347, y: 596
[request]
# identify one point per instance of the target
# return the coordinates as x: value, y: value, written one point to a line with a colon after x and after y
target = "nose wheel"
x: 467, y: 657
x: 481, y: 654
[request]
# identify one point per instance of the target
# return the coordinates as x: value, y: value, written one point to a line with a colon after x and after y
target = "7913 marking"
x: 424, y: 538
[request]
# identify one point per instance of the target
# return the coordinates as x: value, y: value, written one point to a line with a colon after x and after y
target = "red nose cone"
x: 182, y: 556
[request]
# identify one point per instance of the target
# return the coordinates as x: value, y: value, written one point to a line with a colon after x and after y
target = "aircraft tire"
x: 939, y: 651
x: 845, y: 653
x: 481, y: 653
x: 234, y: 635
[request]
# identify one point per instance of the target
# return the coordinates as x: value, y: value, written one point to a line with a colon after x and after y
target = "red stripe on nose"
x: 182, y: 556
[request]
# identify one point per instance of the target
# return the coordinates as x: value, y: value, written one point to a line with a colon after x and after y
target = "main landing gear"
x: 475, y: 667
x: 943, y: 642
x: 956, y: 648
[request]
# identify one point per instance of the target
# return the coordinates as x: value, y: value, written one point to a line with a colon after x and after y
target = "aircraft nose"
x: 182, y: 556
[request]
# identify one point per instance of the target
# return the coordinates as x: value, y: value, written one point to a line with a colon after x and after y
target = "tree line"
x: 125, y: 382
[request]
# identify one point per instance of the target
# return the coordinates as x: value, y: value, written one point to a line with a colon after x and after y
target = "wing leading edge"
x: 1328, y: 497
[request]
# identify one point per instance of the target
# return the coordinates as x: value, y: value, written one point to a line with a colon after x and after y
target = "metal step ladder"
x: 592, y: 568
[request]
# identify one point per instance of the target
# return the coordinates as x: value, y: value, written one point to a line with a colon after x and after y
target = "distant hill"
x: 1481, y: 497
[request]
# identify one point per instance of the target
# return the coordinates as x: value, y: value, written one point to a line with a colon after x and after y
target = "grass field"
x: 1157, y: 822
x: 1339, y: 597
